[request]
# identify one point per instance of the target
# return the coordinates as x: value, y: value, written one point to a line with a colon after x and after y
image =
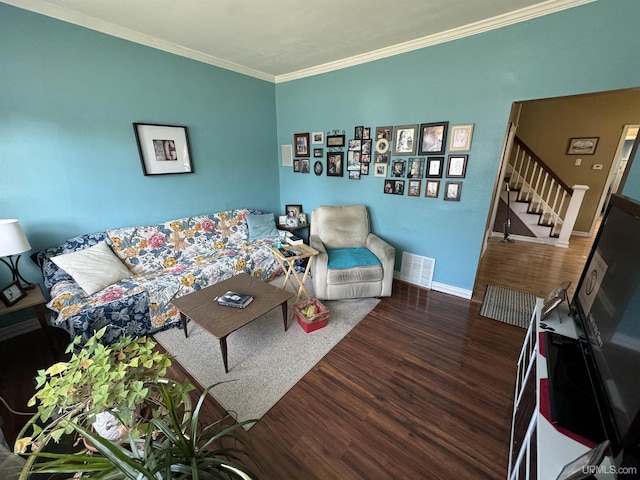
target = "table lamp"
x: 12, y: 243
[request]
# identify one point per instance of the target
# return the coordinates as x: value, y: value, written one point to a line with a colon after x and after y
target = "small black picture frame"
x: 434, y: 167
x: 335, y: 164
x: 12, y: 294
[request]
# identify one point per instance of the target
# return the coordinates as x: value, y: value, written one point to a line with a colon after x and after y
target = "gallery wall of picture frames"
x: 413, y: 159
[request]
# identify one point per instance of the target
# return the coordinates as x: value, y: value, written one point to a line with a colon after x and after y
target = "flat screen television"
x: 606, y: 306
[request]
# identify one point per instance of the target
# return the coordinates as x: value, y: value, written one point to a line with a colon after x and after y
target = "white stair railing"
x: 548, y: 196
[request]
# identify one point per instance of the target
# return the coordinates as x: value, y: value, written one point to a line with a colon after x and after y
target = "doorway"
x: 620, y: 163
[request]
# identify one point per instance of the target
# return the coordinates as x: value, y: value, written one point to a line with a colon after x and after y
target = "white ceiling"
x: 279, y: 40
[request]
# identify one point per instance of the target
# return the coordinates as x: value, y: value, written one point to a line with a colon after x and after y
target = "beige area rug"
x: 265, y: 362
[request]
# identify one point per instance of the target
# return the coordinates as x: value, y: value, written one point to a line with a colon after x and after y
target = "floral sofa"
x: 166, y: 260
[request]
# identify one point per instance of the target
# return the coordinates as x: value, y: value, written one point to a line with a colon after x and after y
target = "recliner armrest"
x: 319, y: 269
x: 380, y: 248
x: 387, y: 256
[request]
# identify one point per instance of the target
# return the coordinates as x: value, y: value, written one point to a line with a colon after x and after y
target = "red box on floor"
x: 315, y: 322
x: 310, y: 327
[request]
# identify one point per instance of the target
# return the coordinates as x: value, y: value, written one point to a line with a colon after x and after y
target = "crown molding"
x: 108, y: 28
x: 522, y: 15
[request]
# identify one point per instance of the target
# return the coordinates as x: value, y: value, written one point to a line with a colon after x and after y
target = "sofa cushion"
x: 93, y: 268
x: 261, y: 226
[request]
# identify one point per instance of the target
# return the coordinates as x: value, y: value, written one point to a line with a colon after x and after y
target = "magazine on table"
x: 234, y: 299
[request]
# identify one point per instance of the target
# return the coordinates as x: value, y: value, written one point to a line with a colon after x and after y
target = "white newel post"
x: 572, y: 214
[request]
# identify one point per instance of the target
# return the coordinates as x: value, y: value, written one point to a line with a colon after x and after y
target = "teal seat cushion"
x: 340, y: 258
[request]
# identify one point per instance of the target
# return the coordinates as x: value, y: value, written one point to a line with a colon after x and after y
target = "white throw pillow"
x: 93, y: 268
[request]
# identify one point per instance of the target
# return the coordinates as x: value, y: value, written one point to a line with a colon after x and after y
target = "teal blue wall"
x: 69, y: 95
x: 69, y: 162
x: 590, y: 48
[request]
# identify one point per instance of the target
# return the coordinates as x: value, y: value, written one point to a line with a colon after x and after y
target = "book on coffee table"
x: 234, y: 299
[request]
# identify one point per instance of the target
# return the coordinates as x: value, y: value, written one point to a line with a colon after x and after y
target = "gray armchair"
x: 353, y: 262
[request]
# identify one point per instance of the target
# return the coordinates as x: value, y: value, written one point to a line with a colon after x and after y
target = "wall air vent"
x: 417, y: 270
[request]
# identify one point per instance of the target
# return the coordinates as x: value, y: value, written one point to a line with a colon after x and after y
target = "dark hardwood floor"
x: 421, y: 388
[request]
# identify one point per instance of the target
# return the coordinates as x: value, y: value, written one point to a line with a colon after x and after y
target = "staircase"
x: 543, y: 202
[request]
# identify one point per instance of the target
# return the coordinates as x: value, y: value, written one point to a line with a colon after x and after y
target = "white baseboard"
x: 19, y: 328
x: 451, y: 290
x: 442, y: 287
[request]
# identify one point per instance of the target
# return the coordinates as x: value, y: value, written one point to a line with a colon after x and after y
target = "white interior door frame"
x: 510, y: 134
x: 613, y: 173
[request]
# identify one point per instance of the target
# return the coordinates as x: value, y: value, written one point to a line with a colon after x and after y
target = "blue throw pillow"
x: 262, y: 226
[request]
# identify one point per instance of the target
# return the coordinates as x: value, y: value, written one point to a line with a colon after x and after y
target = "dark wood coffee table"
x: 220, y: 321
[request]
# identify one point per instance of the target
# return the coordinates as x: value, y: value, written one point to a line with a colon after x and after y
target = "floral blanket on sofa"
x: 167, y: 260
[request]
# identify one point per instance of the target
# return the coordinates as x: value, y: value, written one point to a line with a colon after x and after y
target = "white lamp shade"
x: 12, y: 238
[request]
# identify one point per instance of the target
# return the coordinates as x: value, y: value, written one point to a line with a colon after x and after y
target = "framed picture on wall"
x: 405, y: 139
x: 397, y: 168
x: 163, y: 149
x: 434, y: 167
x: 384, y: 133
x: 335, y: 141
x: 457, y: 166
x: 460, y: 138
x: 452, y: 191
x: 414, y: 188
x: 317, y: 138
x: 582, y: 146
x: 432, y: 189
x: 380, y: 169
x: 301, y: 142
x: 335, y: 164
x: 415, y: 168
x: 433, y: 137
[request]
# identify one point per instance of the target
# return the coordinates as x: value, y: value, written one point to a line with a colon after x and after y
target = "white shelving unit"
x: 538, y: 450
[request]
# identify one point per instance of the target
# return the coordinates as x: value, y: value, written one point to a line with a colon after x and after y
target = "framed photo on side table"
x: 12, y: 293
x: 293, y: 211
x: 164, y: 149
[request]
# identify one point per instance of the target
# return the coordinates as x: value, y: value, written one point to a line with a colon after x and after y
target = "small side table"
x: 301, y: 231
x: 34, y: 299
x: 288, y: 265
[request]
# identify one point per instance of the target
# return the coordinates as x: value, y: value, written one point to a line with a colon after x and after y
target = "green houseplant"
x: 161, y: 436
x: 96, y: 379
x: 176, y: 447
